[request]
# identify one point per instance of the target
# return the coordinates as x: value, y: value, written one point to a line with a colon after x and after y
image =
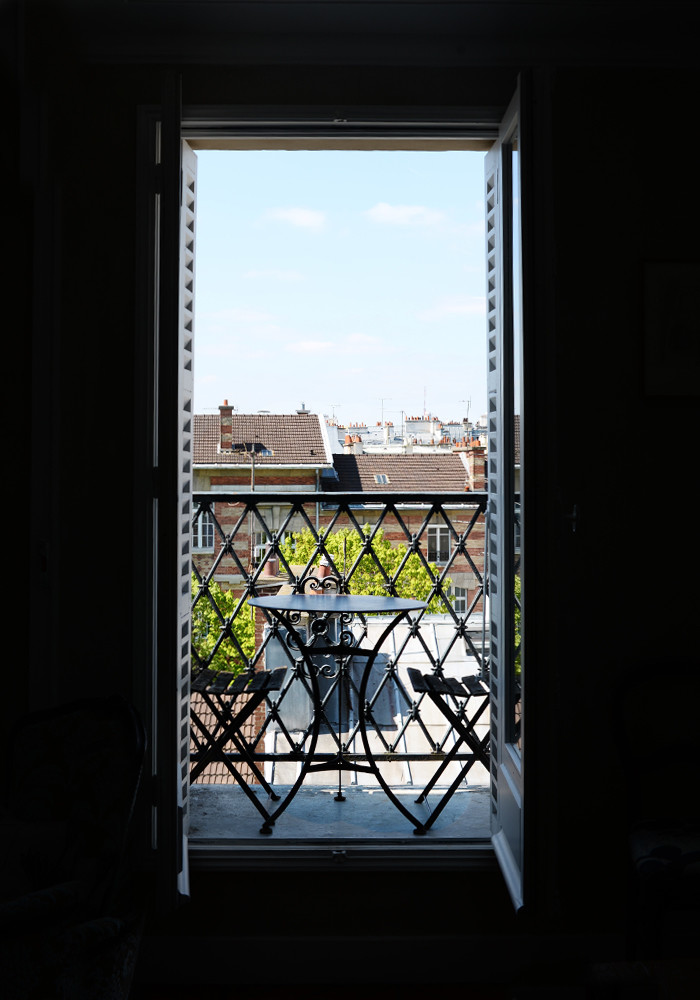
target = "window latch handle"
x: 572, y: 518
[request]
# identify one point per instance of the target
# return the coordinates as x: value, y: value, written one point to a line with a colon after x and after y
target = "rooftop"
x: 275, y: 438
x: 379, y: 472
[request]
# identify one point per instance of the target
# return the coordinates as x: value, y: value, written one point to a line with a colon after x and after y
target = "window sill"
x: 318, y: 832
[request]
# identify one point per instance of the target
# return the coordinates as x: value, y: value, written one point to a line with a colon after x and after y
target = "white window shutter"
x: 175, y: 226
x: 506, y: 758
x: 188, y: 187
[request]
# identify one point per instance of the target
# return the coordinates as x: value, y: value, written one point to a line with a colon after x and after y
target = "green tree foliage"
x: 345, y: 545
x: 207, y: 629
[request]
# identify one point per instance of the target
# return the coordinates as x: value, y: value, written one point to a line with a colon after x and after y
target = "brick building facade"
x: 279, y: 453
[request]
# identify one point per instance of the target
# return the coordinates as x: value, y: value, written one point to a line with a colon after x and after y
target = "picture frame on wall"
x: 671, y: 328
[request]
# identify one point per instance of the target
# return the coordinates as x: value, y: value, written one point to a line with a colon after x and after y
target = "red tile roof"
x: 217, y: 773
x: 294, y: 439
x: 404, y: 473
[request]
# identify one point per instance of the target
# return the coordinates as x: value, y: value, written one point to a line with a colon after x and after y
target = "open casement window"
x: 174, y: 343
x: 504, y: 519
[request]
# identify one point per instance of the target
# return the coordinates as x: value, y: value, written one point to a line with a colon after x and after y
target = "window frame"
x: 461, y: 599
x: 200, y: 125
x: 203, y: 521
x: 260, y: 548
x: 437, y: 533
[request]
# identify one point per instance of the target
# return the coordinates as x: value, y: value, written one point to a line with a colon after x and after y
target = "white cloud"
x: 344, y: 345
x: 275, y: 274
x: 310, y: 346
x: 361, y: 340
x: 404, y: 215
x: 477, y: 228
x: 455, y: 305
x: 305, y: 218
x: 253, y: 343
x: 238, y: 315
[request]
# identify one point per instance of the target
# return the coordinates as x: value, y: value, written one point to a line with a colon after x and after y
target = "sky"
x: 349, y: 281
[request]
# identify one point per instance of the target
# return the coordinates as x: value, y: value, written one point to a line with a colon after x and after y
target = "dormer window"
x: 253, y: 448
x: 381, y: 478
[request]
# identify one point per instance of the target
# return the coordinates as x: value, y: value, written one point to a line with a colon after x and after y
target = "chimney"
x: 357, y: 445
x: 303, y: 409
x: 347, y: 446
x: 476, y: 463
x: 226, y: 427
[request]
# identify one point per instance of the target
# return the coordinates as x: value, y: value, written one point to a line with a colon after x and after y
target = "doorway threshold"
x: 315, y: 828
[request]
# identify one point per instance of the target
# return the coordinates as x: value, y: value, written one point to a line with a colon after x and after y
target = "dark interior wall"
x: 624, y: 455
x: 333, y: 86
x: 88, y: 417
x: 619, y: 196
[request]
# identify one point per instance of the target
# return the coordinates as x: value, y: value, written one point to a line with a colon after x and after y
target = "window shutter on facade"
x: 506, y: 758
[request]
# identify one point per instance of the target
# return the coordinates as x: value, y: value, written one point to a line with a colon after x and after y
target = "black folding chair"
x: 470, y: 692
x: 223, y: 693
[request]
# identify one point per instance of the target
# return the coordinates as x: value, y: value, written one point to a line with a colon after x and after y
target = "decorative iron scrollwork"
x: 319, y: 585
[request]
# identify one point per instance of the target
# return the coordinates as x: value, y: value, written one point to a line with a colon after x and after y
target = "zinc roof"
x: 404, y: 473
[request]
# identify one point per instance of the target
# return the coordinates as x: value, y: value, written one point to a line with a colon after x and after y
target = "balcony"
x: 426, y: 707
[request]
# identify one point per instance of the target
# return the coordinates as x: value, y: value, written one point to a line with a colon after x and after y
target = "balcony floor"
x: 222, y: 813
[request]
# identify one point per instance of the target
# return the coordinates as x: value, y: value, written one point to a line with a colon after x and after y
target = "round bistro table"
x: 328, y: 632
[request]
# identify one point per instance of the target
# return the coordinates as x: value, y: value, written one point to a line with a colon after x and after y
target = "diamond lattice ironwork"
x: 426, y: 701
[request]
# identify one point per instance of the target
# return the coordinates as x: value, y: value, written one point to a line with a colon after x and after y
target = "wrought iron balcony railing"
x: 426, y: 703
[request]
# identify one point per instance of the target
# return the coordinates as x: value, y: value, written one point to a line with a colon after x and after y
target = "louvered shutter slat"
x: 185, y: 393
x: 506, y: 770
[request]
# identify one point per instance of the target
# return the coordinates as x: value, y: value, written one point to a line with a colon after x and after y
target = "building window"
x: 262, y: 544
x: 381, y: 478
x: 203, y: 531
x: 460, y: 596
x: 438, y: 544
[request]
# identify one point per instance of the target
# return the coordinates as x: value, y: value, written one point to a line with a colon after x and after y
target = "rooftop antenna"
x: 383, y: 399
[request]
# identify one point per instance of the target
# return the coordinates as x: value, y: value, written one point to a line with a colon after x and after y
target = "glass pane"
x: 517, y: 428
x: 207, y: 531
